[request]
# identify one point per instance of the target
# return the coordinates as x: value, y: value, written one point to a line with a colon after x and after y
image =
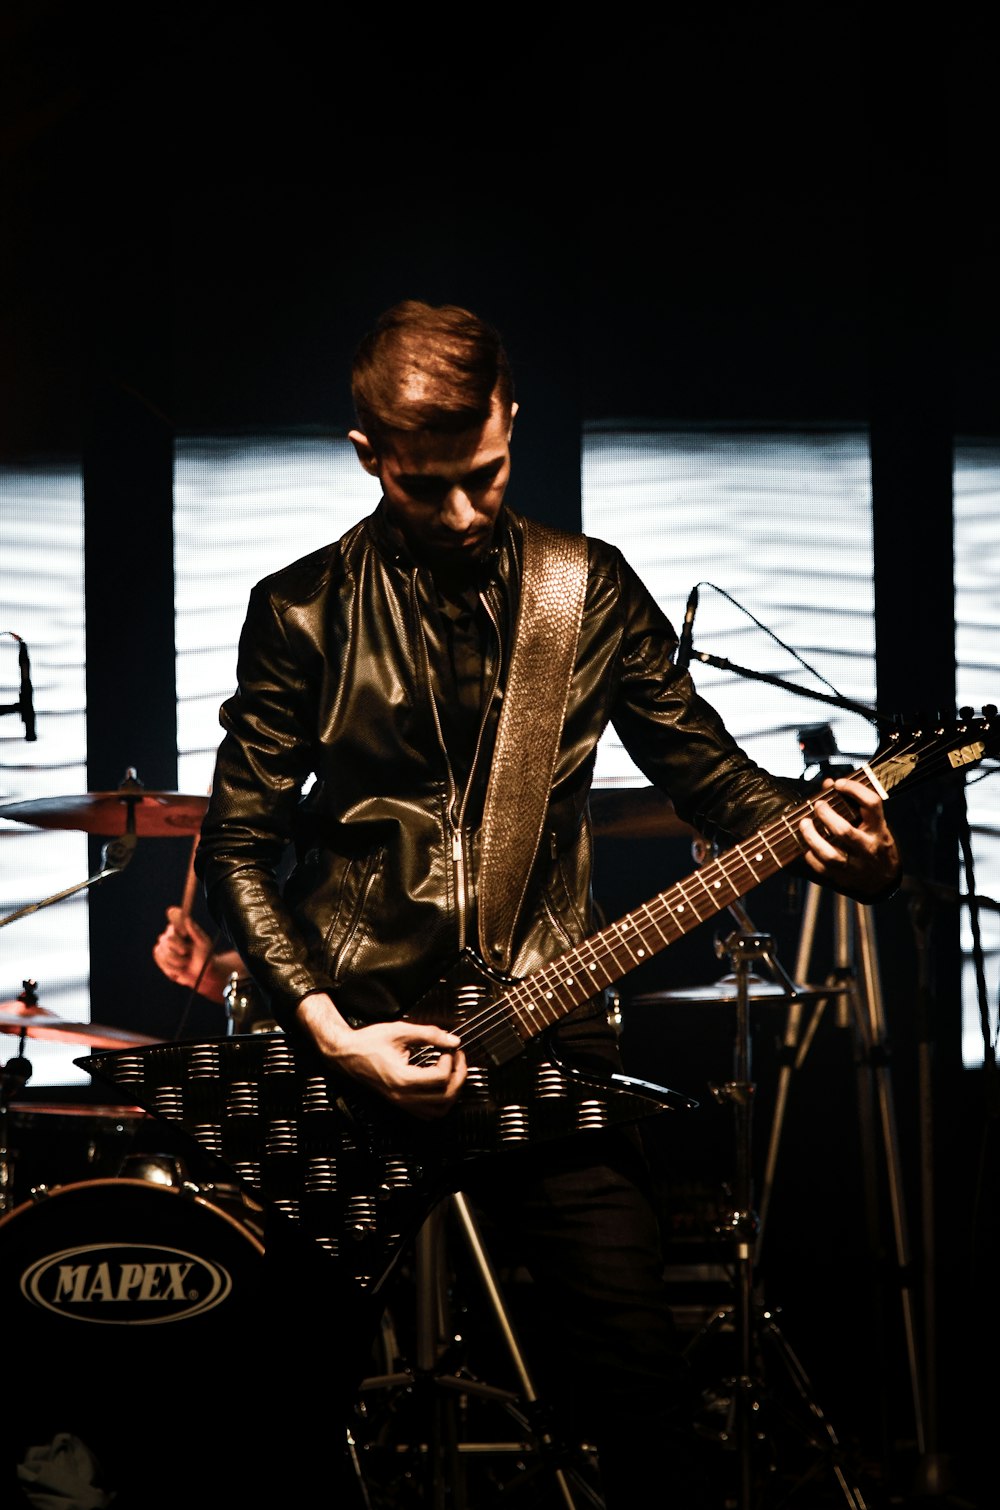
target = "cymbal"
x: 156, y: 813
x: 725, y: 991
x: 641, y: 812
x: 33, y: 1023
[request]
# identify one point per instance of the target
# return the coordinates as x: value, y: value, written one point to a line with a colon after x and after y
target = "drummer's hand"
x: 182, y: 950
x: 856, y: 852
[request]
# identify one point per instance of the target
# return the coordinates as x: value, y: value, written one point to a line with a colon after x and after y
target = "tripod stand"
x: 855, y: 976
x: 415, y: 1431
x: 752, y: 1398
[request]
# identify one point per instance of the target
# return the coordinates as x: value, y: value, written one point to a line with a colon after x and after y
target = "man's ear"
x: 513, y: 414
x: 364, y: 451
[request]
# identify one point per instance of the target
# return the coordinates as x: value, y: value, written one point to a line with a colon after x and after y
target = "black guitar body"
x: 359, y: 1176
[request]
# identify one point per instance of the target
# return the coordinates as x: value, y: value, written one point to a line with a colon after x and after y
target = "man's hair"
x: 425, y: 366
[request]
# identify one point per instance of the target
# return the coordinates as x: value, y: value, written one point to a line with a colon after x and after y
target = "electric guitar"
x: 360, y: 1176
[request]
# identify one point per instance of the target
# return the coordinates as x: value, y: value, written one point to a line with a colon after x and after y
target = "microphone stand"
x: 720, y: 661
x: 114, y: 857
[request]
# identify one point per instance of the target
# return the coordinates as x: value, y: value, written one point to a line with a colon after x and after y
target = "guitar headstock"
x: 937, y: 747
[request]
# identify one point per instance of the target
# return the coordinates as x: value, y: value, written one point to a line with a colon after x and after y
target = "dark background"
x: 765, y: 213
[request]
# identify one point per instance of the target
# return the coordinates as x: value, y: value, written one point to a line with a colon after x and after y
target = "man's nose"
x: 457, y: 511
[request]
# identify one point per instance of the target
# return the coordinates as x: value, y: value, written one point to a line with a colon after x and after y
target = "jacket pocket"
x: 347, y: 927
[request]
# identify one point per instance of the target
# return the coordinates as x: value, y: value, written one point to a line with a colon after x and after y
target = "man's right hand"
x: 385, y: 1056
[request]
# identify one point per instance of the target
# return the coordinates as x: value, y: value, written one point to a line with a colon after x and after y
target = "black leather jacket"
x: 343, y: 677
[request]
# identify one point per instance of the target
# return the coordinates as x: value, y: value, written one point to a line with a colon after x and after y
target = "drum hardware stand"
x: 855, y: 976
x: 14, y: 1076
x: 444, y: 1449
x: 754, y: 1324
x: 114, y: 857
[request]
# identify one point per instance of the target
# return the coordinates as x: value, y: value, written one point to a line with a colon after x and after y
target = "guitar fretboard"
x: 540, y: 1000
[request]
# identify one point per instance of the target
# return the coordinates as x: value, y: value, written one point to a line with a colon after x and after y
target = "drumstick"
x: 190, y: 883
x: 191, y: 880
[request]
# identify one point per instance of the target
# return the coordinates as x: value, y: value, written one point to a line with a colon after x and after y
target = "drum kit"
x: 81, y: 1141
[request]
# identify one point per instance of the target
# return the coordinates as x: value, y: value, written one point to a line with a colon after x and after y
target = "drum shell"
x: 135, y: 1305
x: 56, y: 1143
x: 60, y: 1143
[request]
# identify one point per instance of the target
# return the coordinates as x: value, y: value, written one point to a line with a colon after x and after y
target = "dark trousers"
x: 580, y: 1219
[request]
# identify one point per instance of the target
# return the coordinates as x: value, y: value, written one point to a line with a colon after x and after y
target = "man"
x: 377, y: 668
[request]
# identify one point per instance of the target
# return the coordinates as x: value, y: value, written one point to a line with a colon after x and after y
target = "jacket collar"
x: 391, y: 543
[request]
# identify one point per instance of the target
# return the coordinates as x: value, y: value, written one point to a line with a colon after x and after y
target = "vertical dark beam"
x: 913, y: 209
x: 131, y: 684
x: 911, y: 371
x: 912, y: 443
x: 912, y: 449
x: 127, y: 274
x: 541, y: 324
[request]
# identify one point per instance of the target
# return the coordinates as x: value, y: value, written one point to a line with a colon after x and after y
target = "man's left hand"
x: 856, y: 853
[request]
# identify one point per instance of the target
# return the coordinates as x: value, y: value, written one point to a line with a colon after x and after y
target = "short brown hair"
x: 425, y: 366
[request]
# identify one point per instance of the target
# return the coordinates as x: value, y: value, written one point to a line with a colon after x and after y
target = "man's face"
x: 443, y: 491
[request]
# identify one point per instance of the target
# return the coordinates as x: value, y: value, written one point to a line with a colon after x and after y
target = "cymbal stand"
x: 443, y: 1392
x: 742, y: 1222
x: 754, y: 1324
x: 855, y: 977
x: 14, y: 1075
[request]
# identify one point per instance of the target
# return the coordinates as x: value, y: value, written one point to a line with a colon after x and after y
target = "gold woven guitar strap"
x: 553, y: 588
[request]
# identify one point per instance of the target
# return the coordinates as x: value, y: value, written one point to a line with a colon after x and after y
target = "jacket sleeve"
x: 263, y: 762
x: 680, y: 742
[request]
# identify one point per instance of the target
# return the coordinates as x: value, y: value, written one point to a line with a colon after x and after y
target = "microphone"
x: 25, y: 701
x: 684, y: 643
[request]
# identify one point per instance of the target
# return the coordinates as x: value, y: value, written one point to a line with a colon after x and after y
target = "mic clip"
x: 117, y: 853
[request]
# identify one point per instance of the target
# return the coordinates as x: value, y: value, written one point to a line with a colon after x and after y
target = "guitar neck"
x: 540, y: 1000
x: 636, y: 937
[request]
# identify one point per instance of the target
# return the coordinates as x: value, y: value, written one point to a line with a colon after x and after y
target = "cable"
x: 771, y: 634
x: 193, y: 992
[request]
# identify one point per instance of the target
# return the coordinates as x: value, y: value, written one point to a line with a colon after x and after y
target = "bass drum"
x: 133, y: 1303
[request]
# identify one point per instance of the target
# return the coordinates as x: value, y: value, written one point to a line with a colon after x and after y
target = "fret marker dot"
x: 548, y: 996
x: 640, y: 952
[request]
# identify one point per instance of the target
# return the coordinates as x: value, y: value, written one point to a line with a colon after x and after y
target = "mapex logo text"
x: 126, y: 1283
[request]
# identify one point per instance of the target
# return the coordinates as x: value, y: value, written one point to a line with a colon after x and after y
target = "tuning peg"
x: 989, y: 710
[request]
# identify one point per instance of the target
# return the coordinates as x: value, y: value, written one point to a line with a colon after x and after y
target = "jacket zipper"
x: 456, y: 805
